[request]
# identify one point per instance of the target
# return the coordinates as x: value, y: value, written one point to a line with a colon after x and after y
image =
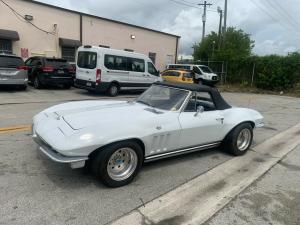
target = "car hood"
x: 82, y: 115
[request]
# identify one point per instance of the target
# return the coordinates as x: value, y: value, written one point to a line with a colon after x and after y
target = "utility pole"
x: 225, y: 17
x: 205, y: 4
x: 220, y: 11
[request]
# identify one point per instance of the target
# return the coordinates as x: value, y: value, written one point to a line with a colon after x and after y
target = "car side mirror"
x: 200, y: 109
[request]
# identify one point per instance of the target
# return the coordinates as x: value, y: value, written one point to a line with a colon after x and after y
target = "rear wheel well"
x: 136, y: 140
x: 116, y: 83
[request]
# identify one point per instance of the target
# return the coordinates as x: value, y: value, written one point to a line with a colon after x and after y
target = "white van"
x: 203, y: 74
x: 109, y: 70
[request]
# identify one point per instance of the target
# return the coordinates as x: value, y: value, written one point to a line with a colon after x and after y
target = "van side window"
x: 120, y: 63
x: 152, y: 70
x: 115, y: 62
x: 109, y: 61
x: 136, y: 65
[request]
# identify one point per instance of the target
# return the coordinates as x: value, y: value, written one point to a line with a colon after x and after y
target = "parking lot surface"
x: 272, y: 199
x: 34, y: 190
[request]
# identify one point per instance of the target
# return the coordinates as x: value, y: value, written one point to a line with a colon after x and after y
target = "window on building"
x: 6, y: 46
x: 152, y: 56
x: 68, y: 53
x: 104, y: 46
x: 128, y: 50
x: 152, y: 70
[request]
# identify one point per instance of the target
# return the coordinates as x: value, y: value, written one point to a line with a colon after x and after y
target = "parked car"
x: 108, y: 70
x: 116, y: 137
x: 13, y: 71
x: 203, y: 74
x: 182, y: 76
x: 43, y: 71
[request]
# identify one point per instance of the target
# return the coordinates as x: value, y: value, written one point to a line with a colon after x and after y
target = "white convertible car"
x: 114, y: 138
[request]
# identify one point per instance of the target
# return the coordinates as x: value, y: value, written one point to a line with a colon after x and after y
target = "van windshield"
x: 87, y: 60
x: 206, y: 69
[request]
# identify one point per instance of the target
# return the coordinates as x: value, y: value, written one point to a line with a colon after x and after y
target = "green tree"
x: 236, y: 44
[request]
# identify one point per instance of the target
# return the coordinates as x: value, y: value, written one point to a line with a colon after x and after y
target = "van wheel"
x: 113, y: 90
x: 117, y: 164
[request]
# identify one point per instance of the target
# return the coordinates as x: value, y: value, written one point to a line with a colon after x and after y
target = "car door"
x: 137, y: 72
x: 200, y: 128
x: 152, y: 73
x: 33, y: 64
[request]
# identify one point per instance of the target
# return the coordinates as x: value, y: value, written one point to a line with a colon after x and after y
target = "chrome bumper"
x: 75, y: 162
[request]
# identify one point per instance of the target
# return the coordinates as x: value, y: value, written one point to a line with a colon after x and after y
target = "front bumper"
x: 75, y: 162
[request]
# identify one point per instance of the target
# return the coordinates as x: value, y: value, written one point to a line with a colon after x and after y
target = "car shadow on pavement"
x: 64, y: 177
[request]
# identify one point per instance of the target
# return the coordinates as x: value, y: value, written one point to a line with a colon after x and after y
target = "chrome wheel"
x: 122, y: 164
x: 244, y: 139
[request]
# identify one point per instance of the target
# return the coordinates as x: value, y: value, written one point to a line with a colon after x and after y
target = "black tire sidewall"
x: 99, y: 164
x: 231, y: 139
x: 110, y: 90
x: 36, y: 82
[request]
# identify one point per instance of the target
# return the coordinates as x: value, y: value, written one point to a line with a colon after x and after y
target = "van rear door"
x: 86, y: 66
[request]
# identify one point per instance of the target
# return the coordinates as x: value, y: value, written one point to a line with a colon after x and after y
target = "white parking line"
x: 199, y: 199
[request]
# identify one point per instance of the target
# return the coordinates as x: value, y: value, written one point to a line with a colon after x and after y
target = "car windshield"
x: 57, y: 63
x: 205, y: 69
x: 165, y: 98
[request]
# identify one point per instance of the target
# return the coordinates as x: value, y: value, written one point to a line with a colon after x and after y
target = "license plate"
x: 60, y: 72
x: 89, y: 84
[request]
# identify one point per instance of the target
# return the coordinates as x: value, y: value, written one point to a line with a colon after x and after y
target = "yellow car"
x: 181, y: 76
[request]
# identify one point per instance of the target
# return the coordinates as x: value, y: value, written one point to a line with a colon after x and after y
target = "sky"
x: 274, y: 25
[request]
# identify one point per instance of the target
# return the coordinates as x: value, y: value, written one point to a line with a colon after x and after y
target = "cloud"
x: 273, y: 24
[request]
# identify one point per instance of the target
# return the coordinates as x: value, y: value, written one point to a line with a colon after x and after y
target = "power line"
x: 190, y: 5
x: 271, y: 17
x: 285, y: 15
x: 24, y: 19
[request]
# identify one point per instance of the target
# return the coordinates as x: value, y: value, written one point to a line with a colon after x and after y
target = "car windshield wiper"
x: 145, y: 103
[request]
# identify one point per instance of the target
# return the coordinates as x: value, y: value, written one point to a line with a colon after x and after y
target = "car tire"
x: 239, y: 140
x: 113, y: 90
x: 117, y: 164
x: 37, y: 83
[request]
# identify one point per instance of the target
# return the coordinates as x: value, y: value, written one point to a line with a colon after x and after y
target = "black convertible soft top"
x: 219, y: 102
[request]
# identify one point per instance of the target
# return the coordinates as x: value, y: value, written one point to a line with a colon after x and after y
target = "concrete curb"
x: 199, y: 199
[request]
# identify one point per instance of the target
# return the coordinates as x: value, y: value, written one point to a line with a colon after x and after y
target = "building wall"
x: 95, y: 31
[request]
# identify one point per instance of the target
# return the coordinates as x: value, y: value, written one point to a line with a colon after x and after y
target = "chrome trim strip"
x: 181, y: 151
x: 53, y: 155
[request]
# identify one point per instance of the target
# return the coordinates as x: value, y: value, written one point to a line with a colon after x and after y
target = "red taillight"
x: 47, y: 68
x: 22, y: 67
x: 98, y: 76
x: 71, y: 69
